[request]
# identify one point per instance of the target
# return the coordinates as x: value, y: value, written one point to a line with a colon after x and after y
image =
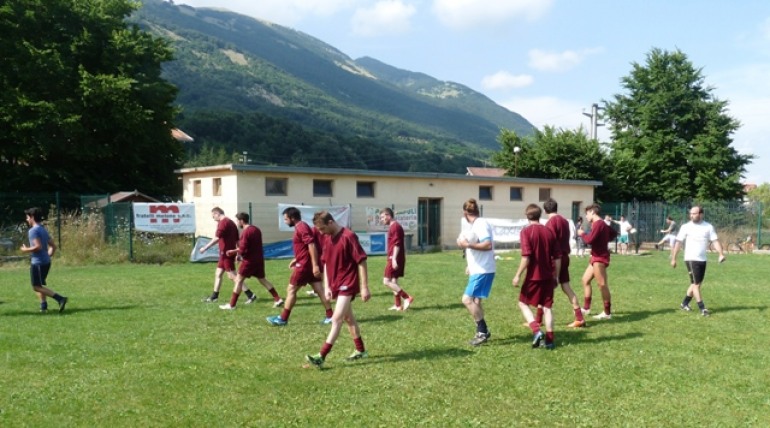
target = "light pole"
x: 516, y: 151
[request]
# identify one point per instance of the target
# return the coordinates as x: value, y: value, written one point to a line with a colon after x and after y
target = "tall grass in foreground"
x: 136, y: 347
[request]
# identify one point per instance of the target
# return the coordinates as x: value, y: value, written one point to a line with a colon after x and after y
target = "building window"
x: 196, y: 184
x: 365, y: 189
x: 276, y: 186
x: 485, y: 193
x: 322, y: 188
x: 217, y: 187
x: 517, y: 194
x: 545, y: 193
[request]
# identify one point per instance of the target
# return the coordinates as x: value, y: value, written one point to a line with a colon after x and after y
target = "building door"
x: 575, y: 210
x: 428, y: 222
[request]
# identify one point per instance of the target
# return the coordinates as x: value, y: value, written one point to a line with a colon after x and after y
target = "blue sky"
x: 549, y: 60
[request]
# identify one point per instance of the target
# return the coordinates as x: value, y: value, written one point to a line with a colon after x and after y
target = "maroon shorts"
x: 564, y: 272
x: 226, y: 263
x: 534, y: 293
x: 346, y: 290
x: 393, y: 273
x: 251, y: 269
x: 303, y: 276
x: 603, y: 260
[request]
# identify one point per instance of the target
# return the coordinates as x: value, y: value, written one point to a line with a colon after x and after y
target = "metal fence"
x: 740, y: 225
x: 111, y: 223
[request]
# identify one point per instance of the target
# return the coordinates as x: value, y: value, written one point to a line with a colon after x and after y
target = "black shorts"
x: 697, y: 271
x: 38, y: 274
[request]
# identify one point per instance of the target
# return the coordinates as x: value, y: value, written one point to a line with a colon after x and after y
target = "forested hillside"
x: 290, y: 99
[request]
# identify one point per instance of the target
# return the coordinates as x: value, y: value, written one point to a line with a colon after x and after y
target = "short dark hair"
x: 387, y: 211
x: 36, y: 213
x: 244, y: 217
x: 218, y: 210
x: 550, y: 206
x: 471, y: 207
x: 595, y: 208
x: 533, y: 212
x: 293, y: 213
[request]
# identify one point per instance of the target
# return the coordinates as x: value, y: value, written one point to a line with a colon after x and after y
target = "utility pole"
x: 594, y: 115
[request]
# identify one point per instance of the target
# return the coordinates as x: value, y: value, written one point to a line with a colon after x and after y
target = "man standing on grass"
x: 396, y: 262
x: 345, y: 276
x: 541, y: 258
x: 480, y: 257
x: 252, y: 262
x: 561, y: 230
x: 696, y: 236
x: 625, y: 227
x: 305, y: 267
x: 42, y: 249
x: 226, y: 236
x: 599, y: 238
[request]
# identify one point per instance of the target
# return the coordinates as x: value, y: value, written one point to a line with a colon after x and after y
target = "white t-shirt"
x: 696, y: 238
x: 625, y: 226
x: 481, y: 261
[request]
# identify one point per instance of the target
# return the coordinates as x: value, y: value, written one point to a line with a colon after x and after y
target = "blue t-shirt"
x: 40, y: 257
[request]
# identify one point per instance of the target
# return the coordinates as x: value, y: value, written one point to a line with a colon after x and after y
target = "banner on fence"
x: 341, y: 214
x: 407, y: 218
x: 509, y: 231
x: 373, y: 244
x: 164, y: 217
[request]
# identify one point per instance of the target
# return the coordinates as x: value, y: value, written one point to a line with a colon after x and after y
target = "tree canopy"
x: 83, y: 107
x: 671, y: 137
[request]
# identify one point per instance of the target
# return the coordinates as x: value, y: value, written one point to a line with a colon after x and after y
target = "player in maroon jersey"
x: 396, y: 263
x: 599, y: 238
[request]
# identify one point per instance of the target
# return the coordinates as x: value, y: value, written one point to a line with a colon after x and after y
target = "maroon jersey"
x: 303, y: 237
x: 227, y: 232
x: 341, y: 254
x: 250, y: 249
x: 599, y: 239
x: 560, y: 228
x: 395, y: 239
x: 539, y: 244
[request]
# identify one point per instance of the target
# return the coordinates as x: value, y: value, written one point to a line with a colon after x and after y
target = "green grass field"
x: 136, y: 347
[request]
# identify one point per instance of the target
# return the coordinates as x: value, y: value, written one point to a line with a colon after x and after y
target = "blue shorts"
x: 480, y: 285
x: 38, y: 274
x: 623, y: 239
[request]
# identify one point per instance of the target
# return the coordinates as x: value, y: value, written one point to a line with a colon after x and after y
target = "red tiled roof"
x: 485, y: 172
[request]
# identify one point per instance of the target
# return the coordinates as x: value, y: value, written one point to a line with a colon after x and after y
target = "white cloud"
x: 384, y: 17
x: 466, y: 14
x: 553, y: 111
x: 558, y: 61
x: 505, y: 80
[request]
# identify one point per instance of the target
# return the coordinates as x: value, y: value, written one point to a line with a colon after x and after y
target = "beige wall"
x: 242, y: 185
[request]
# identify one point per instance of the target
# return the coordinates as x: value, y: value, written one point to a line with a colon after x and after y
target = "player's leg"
x: 600, y: 273
x: 588, y: 276
x: 277, y: 301
x: 392, y: 284
x: 579, y: 321
x: 318, y: 288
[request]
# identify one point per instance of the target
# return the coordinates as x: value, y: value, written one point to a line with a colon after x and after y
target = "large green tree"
x: 671, y: 136
x: 556, y: 154
x: 83, y: 107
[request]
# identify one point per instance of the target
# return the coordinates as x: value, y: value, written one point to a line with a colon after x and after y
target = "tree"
x: 82, y: 105
x: 556, y: 154
x: 672, y: 136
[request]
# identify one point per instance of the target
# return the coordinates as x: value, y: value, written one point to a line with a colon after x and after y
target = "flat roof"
x: 375, y: 173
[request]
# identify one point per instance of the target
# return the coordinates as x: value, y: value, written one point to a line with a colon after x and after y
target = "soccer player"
x: 480, y: 257
x: 625, y: 227
x: 252, y: 261
x: 345, y: 277
x: 541, y: 257
x: 41, y: 249
x: 305, y: 267
x: 396, y: 264
x: 696, y: 236
x: 560, y: 228
x: 599, y: 239
x: 670, y: 234
x: 226, y: 236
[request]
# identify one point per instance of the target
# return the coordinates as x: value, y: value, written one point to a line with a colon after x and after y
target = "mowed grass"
x: 136, y: 347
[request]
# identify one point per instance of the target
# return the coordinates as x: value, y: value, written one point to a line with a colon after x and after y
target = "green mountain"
x: 290, y: 99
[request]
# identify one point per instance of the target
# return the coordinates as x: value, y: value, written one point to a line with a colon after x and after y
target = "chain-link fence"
x: 740, y: 225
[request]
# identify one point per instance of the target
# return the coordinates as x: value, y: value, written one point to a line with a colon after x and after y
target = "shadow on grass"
x: 68, y: 311
x: 421, y: 354
x: 565, y: 337
x: 718, y: 309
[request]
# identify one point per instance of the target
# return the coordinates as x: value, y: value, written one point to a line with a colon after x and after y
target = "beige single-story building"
x: 437, y: 198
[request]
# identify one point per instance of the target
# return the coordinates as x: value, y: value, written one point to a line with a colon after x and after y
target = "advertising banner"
x: 341, y: 214
x: 407, y: 218
x: 164, y: 217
